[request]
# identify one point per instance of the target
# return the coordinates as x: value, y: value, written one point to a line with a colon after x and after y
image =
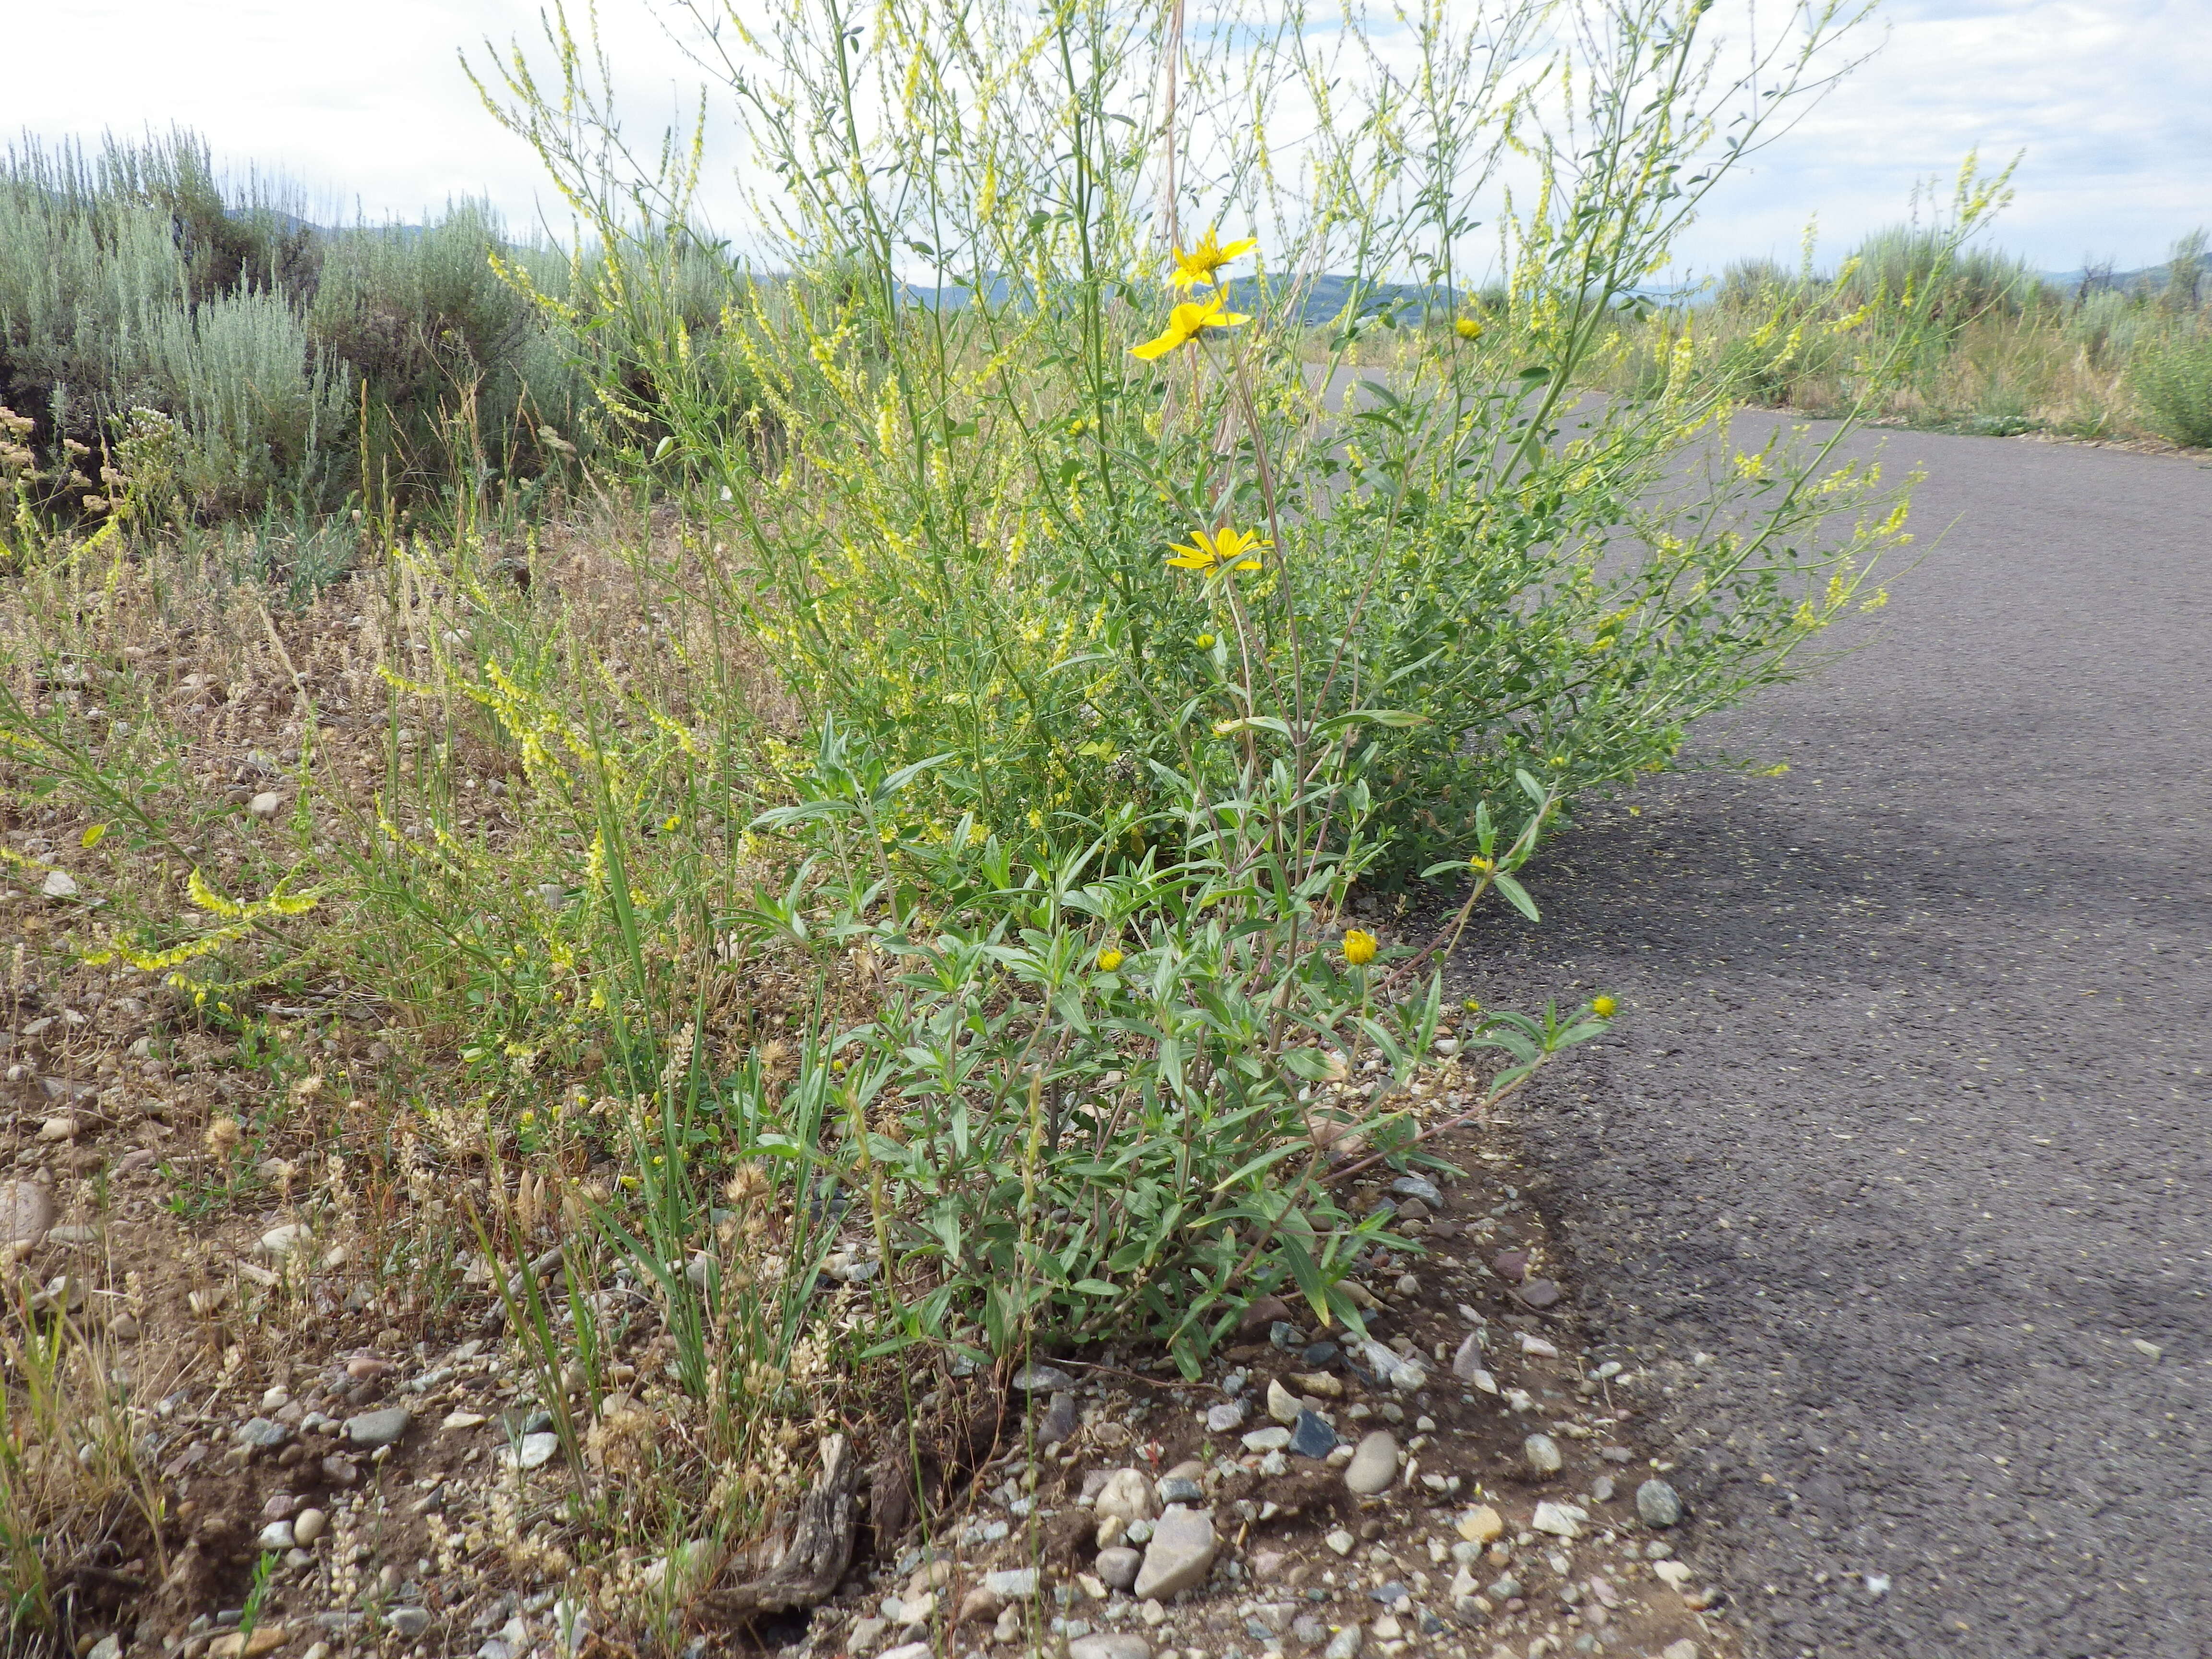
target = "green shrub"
x: 2172, y: 382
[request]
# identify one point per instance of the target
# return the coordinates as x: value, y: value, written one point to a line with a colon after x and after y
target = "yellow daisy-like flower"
x: 1602, y: 1007
x: 1467, y: 329
x: 1203, y: 262
x: 1237, y: 549
x: 1109, y: 960
x: 1186, y: 323
x: 1204, y: 641
x: 1358, y: 946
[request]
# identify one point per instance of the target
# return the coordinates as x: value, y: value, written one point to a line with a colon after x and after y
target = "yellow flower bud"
x: 1602, y: 1007
x: 1109, y: 960
x: 1358, y: 946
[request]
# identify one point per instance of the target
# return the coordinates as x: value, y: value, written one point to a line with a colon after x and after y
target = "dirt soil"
x: 1905, y: 1120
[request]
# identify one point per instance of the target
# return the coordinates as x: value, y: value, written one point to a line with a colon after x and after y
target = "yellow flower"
x: 1472, y: 1006
x: 1602, y: 1007
x: 1186, y: 322
x: 1467, y: 329
x: 1358, y: 946
x: 1109, y: 960
x: 1226, y: 546
x: 1201, y: 264
x: 1204, y: 641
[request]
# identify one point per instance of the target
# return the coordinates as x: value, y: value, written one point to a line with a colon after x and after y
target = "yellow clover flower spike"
x: 1203, y: 263
x: 1358, y: 946
x: 1227, y: 547
x: 1186, y: 323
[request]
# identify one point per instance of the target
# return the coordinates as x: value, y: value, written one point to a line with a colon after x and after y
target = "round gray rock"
x: 378, y: 1428
x: 1658, y: 1504
x: 1117, y: 1567
x: 1374, y: 1465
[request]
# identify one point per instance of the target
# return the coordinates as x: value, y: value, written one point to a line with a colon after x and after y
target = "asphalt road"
x: 1907, y: 1122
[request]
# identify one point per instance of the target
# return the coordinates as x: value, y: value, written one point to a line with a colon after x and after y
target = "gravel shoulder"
x: 1906, y: 1121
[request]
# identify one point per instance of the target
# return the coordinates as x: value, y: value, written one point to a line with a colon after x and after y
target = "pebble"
x: 1560, y: 1520
x: 1287, y: 1336
x: 1059, y: 1420
x: 1481, y: 1524
x: 1340, y: 1540
x: 1344, y: 1645
x: 58, y: 884
x: 1044, y: 1379
x: 264, y: 1434
x: 1179, y: 1489
x: 341, y: 1471
x: 1115, y: 1645
x: 1267, y: 1440
x: 1511, y: 1265
x: 1374, y: 1465
x: 1226, y: 1418
x: 1540, y: 1293
x: 1282, y: 1404
x: 1179, y: 1556
x: 27, y: 1212
x: 1322, y: 1383
x: 1318, y: 1353
x: 1408, y: 1286
x: 1267, y: 1312
x: 1414, y: 1188
x: 276, y: 1536
x: 407, y: 1623
x: 1538, y: 1347
x: 1126, y: 1496
x: 1658, y: 1504
x: 378, y: 1428
x: 1312, y: 1436
x: 266, y: 805
x: 1543, y: 1453
x: 536, y: 1450
x: 281, y: 1242
x: 1602, y: 1490
x: 1685, y: 1648
x: 906, y: 1651
x: 1118, y: 1567
x: 307, y: 1526
x: 464, y: 1420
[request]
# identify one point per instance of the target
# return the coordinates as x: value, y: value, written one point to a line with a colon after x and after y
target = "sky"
x: 365, y: 104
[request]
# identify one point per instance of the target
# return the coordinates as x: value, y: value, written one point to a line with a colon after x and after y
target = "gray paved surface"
x: 1909, y: 1121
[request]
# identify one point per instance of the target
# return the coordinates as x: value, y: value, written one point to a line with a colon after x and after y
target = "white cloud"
x: 363, y: 102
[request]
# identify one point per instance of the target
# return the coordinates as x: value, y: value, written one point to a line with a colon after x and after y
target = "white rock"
x: 1673, y: 1572
x: 1267, y: 1440
x: 1282, y: 1404
x: 27, y: 1212
x: 1560, y: 1520
x: 307, y: 1526
x: 281, y: 1242
x: 276, y: 1536
x: 1344, y: 1645
x: 59, y: 884
x: 1373, y: 1464
x: 1014, y: 1584
x: 266, y: 805
x: 1126, y: 1496
x: 1543, y: 1453
x: 1179, y: 1556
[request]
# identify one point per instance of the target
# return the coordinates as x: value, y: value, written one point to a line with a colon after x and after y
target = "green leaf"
x: 1516, y: 893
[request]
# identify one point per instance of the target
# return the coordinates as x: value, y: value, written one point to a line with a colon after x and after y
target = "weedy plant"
x: 1112, y: 530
